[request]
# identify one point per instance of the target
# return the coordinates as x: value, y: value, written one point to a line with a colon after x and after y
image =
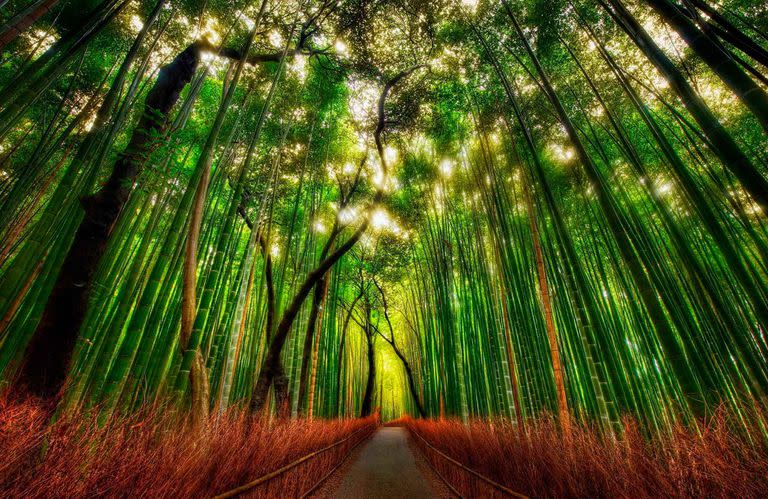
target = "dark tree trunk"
x: 317, y: 301
x: 727, y: 31
x: 50, y: 350
x: 398, y: 352
x: 750, y: 94
x: 272, y: 365
x: 282, y: 398
x: 722, y: 143
x: 366, y: 408
x: 270, y: 295
x: 411, y: 381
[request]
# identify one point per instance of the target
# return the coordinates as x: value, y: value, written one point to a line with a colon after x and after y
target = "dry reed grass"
x: 538, y: 463
x: 150, y: 455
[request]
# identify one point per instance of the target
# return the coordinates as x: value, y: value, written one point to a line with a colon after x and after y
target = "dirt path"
x: 387, y: 466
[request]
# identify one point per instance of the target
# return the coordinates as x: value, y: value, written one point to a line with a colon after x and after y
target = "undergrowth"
x: 539, y: 462
x: 150, y: 454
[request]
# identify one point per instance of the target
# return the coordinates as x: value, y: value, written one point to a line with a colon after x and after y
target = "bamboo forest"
x: 383, y: 248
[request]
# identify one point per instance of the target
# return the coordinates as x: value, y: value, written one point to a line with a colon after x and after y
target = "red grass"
x: 150, y: 456
x: 717, y: 464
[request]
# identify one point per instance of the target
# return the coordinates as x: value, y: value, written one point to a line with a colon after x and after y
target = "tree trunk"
x: 317, y: 298
x: 398, y: 352
x: 272, y: 366
x: 727, y: 31
x: 411, y: 381
x: 315, y: 350
x: 677, y: 353
x: 196, y: 373
x: 541, y: 272
x: 192, y: 368
x: 366, y: 408
x: 343, y: 341
x: 511, y: 359
x: 722, y: 143
x: 192, y: 363
x: 750, y: 94
x: 48, y: 355
x: 23, y: 20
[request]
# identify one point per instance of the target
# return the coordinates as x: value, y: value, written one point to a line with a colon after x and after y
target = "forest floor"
x: 388, y: 465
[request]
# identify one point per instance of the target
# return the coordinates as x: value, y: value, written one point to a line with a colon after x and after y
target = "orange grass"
x: 719, y: 463
x: 148, y: 455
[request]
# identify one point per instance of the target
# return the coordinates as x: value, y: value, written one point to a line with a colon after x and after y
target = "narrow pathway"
x: 387, y: 467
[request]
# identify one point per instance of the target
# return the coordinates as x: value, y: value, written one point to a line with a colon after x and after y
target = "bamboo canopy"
x: 322, y: 208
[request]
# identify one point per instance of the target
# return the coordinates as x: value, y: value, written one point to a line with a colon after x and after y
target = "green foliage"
x: 488, y: 197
